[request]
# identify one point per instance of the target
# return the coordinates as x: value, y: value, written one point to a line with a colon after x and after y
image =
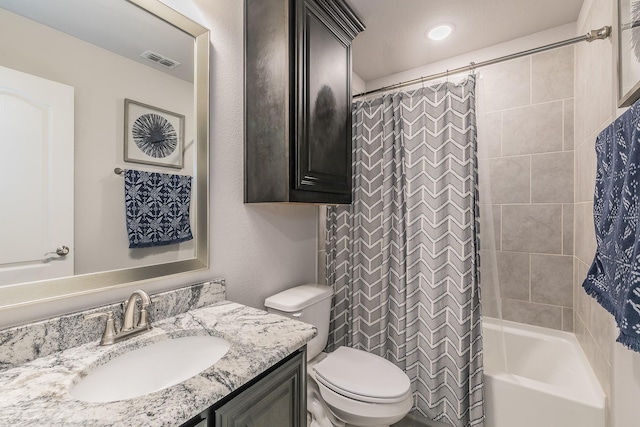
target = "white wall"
x: 258, y: 249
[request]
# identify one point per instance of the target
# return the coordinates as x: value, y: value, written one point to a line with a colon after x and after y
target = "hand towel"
x: 614, y: 276
x: 157, y: 208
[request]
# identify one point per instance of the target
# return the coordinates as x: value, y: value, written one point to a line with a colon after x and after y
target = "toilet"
x: 347, y: 387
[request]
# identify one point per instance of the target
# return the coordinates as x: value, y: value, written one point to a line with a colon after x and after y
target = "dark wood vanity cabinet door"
x: 278, y: 399
x: 323, y: 145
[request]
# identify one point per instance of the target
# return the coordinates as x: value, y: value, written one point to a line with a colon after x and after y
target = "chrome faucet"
x: 129, y: 325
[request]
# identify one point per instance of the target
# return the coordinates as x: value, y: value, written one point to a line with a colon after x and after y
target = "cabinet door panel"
x: 276, y: 400
x: 324, y: 116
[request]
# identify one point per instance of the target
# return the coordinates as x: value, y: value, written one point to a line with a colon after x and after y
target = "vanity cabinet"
x: 275, y: 398
x: 298, y: 100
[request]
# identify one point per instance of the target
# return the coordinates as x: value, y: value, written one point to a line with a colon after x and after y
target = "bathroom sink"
x: 151, y: 368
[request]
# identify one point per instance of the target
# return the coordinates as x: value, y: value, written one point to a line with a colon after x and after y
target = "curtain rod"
x: 599, y: 34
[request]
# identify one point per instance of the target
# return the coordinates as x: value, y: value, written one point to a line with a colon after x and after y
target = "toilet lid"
x: 362, y: 376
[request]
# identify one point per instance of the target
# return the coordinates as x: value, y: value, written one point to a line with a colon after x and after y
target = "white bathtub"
x: 547, y: 380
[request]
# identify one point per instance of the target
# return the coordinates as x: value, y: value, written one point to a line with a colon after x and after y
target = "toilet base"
x: 319, y: 415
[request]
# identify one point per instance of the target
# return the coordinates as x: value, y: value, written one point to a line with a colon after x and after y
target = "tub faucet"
x: 129, y: 325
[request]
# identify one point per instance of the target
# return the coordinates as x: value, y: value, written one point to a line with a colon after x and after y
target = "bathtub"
x: 546, y: 380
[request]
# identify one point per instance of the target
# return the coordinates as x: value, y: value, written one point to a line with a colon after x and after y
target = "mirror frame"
x: 22, y: 294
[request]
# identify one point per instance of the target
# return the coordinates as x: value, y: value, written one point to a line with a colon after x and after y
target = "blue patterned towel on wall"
x: 614, y: 276
x: 157, y: 208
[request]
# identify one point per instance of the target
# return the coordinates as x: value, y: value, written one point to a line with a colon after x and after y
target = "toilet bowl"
x: 362, y: 389
x: 348, y: 387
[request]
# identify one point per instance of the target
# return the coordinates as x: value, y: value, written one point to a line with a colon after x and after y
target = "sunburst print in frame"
x: 153, y: 136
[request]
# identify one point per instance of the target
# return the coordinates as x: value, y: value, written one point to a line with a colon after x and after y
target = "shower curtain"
x: 403, y: 257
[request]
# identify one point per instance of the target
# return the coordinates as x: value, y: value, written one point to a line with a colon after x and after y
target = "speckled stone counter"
x: 36, y: 393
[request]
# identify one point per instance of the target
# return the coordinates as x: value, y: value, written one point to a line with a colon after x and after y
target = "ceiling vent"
x: 160, y: 59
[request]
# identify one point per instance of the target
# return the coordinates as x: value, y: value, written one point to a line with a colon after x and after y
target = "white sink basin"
x: 150, y: 369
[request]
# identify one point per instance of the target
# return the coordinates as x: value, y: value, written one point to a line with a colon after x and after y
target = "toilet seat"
x: 363, y: 377
x: 356, y: 413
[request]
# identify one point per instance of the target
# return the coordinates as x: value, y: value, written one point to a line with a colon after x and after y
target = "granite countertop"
x: 37, y: 392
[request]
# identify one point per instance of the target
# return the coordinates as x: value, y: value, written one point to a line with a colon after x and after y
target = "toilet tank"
x: 307, y: 303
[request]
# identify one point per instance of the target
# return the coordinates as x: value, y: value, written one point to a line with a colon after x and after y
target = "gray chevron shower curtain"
x: 403, y: 258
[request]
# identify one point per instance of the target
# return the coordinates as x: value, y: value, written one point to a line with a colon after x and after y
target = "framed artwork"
x: 628, y: 52
x: 153, y: 136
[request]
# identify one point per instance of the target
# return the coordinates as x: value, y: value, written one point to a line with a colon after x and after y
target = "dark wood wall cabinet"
x: 298, y: 100
x: 275, y: 398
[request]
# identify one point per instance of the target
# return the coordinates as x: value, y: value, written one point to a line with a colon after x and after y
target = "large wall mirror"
x: 69, y: 71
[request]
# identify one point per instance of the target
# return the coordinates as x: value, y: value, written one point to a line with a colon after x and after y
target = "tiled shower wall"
x: 595, y: 109
x: 525, y: 151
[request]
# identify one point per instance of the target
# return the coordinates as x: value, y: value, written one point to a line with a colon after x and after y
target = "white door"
x: 36, y: 178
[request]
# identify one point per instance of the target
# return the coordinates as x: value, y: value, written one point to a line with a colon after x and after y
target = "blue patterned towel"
x: 614, y: 276
x: 157, y: 208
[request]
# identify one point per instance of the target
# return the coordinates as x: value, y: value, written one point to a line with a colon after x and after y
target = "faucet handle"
x: 142, y: 304
x: 109, y: 334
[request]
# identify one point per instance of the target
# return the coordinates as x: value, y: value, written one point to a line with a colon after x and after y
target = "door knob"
x: 62, y: 251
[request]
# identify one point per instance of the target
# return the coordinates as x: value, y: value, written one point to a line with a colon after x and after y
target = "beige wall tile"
x: 552, y: 279
x: 532, y: 129
x: 513, y: 275
x: 509, y: 180
x: 489, y: 135
x: 552, y: 178
x: 552, y: 75
x: 580, y: 97
x: 484, y: 182
x: 569, y: 119
x: 585, y: 236
x: 548, y: 316
x: 580, y: 330
x: 507, y: 85
x: 567, y: 229
x: 602, y: 329
x: 532, y: 228
x: 489, y: 284
x: 579, y: 248
x: 567, y: 319
x: 586, y: 171
x: 598, y: 85
x: 583, y: 308
x: 490, y: 227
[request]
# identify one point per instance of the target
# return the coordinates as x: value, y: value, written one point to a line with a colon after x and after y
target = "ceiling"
x: 118, y: 26
x: 395, y: 41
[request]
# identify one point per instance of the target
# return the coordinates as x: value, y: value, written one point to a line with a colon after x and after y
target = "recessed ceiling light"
x: 440, y: 32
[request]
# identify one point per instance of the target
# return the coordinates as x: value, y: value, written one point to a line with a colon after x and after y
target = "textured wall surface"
x: 525, y: 150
